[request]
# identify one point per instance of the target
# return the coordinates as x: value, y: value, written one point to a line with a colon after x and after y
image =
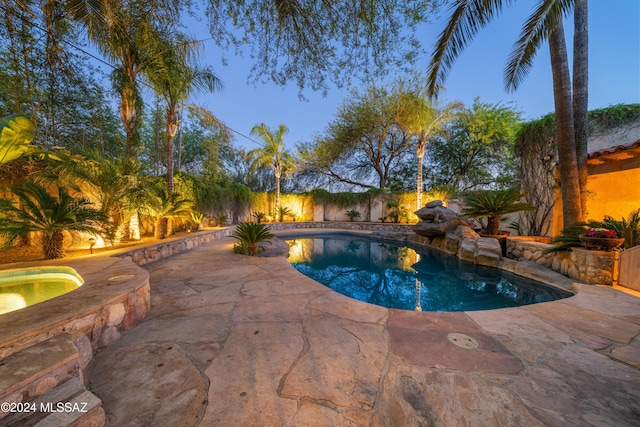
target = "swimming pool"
x: 410, y: 278
x: 23, y: 287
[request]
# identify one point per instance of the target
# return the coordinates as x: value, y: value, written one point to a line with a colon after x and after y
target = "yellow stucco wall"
x: 616, y: 194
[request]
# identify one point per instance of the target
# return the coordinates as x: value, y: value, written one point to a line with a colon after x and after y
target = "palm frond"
x: 467, y: 18
x: 534, y: 33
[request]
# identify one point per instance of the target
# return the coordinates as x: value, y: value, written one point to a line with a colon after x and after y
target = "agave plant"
x: 51, y: 215
x: 250, y: 234
x: 492, y: 204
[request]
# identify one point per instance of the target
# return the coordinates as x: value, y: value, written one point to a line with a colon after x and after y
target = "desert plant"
x: 631, y: 230
x: 51, y: 215
x: 283, y: 211
x: 250, y: 234
x: 196, y: 219
x: 352, y: 214
x: 220, y: 218
x: 259, y: 216
x: 569, y: 238
x: 396, y: 211
x: 492, y: 204
x: 167, y: 207
x: 629, y: 227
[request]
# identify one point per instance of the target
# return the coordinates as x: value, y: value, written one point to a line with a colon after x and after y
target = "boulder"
x: 436, y: 220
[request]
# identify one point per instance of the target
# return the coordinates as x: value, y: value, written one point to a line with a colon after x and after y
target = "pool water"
x: 411, y: 278
x: 24, y: 287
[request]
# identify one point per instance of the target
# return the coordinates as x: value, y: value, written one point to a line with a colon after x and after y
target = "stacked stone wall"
x: 588, y: 266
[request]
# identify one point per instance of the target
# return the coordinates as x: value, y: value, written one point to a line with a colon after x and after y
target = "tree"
x: 315, y: 41
x: 51, y: 215
x: 474, y: 150
x: 130, y: 34
x: 492, y: 204
x: 364, y: 144
x: 422, y: 119
x: 176, y: 80
x: 468, y: 16
x: 273, y: 154
x: 43, y: 79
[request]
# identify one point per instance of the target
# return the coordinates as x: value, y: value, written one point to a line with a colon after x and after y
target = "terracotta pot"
x: 601, y: 243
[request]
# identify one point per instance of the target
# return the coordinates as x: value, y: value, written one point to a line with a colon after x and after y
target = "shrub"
x: 492, y: 204
x: 352, y: 214
x: 250, y: 234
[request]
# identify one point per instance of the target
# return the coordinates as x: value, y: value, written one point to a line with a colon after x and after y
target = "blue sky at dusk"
x: 614, y: 50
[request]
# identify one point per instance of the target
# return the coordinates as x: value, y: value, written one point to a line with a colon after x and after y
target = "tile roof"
x: 616, y: 149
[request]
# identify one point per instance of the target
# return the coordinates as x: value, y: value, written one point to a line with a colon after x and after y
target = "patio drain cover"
x: 462, y: 340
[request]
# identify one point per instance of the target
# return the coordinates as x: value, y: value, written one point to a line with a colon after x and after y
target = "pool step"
x: 35, y: 370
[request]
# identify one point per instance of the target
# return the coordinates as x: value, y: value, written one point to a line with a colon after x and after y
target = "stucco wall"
x: 616, y: 194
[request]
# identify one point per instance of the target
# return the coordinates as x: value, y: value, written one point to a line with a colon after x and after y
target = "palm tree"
x: 167, y: 207
x: 422, y: 119
x: 492, y: 204
x: 50, y: 215
x: 129, y: 34
x: 273, y: 154
x: 176, y: 81
x: 16, y: 134
x: 250, y: 234
x: 469, y: 16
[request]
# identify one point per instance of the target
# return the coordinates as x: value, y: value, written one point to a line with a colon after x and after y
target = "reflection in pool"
x: 27, y: 286
x: 394, y: 276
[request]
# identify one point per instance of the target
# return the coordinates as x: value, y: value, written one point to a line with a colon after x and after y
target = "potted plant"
x: 601, y: 239
x: 492, y: 204
x: 352, y: 214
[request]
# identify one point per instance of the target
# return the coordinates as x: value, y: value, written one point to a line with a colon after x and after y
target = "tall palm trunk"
x: 565, y: 134
x: 52, y: 245
x: 277, y: 172
x: 129, y: 117
x: 581, y: 92
x: 172, y: 128
x: 422, y: 144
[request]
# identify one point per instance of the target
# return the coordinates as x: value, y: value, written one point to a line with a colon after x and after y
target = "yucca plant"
x: 51, y: 215
x: 492, y: 204
x: 250, y: 234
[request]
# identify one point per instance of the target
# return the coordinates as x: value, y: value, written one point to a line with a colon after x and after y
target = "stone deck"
x: 238, y: 341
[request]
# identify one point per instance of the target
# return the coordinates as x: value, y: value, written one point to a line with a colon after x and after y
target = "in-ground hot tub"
x: 23, y: 287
